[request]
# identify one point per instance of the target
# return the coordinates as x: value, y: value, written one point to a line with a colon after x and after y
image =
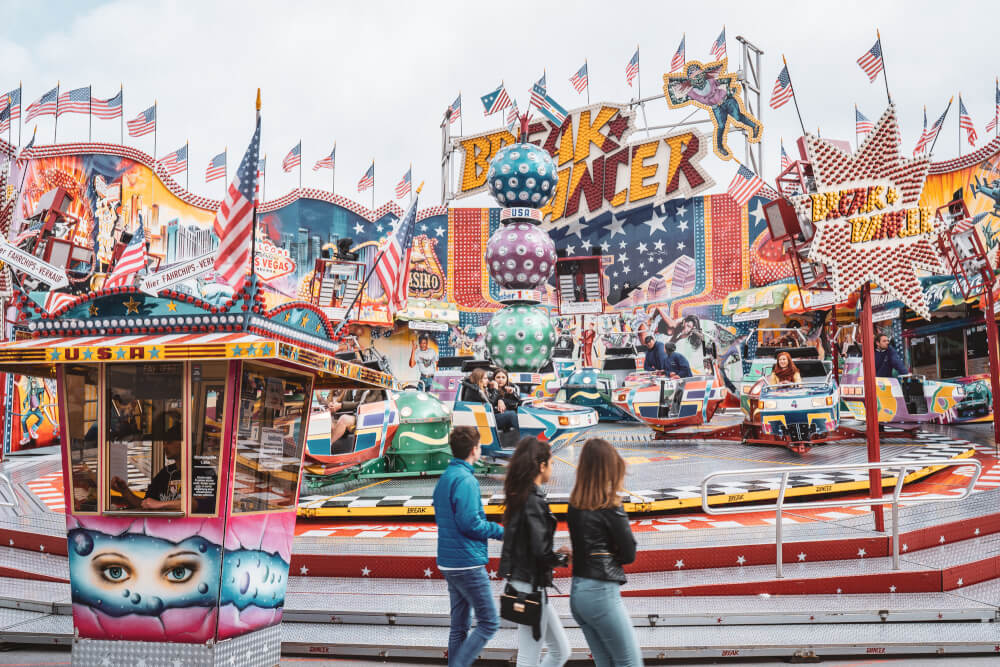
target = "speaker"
x: 781, y: 219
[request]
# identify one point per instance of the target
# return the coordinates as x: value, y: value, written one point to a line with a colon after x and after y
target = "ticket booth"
x: 181, y: 462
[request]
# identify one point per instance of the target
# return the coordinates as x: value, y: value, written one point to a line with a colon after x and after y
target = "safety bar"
x: 900, y: 467
x: 13, y: 494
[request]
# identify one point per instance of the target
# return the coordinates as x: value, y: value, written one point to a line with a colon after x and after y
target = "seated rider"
x: 164, y: 491
x: 506, y: 397
x: 785, y: 371
x: 476, y: 389
x: 677, y: 365
x: 343, y: 407
x: 656, y: 355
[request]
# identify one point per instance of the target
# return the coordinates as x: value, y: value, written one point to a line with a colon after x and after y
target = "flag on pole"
x: 368, y: 180
x: 326, y: 162
x: 579, y: 80
x: 261, y: 168
x: 719, y: 46
x: 513, y: 116
x: 496, y: 100
x: 75, y: 101
x: 109, y: 108
x: 175, y: 162
x: 990, y: 126
x: 233, y: 223
x: 14, y: 111
x: 547, y: 106
x: 216, y: 168
x: 677, y: 62
x: 632, y: 68
x: 871, y: 62
x: 403, y: 187
x: 745, y: 184
x: 861, y: 124
x: 965, y: 122
x: 782, y: 91
x: 929, y: 134
x: 786, y: 162
x: 43, y: 106
x: 143, y: 124
x: 393, y: 266
x: 131, y: 261
x: 455, y: 110
x: 541, y: 82
x: 293, y: 159
x: 56, y: 300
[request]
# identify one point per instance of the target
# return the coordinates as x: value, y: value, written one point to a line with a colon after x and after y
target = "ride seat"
x: 342, y: 445
x: 913, y: 395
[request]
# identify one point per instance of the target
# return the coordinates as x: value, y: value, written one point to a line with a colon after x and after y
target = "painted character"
x: 33, y: 408
x: 587, y: 344
x: 712, y: 89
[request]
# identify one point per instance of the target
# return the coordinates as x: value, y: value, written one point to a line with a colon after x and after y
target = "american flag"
x: 109, y: 108
x: 368, y: 180
x: 43, y: 106
x: 512, y: 115
x: 965, y: 122
x: 233, y: 222
x: 861, y: 124
x: 261, y: 168
x: 293, y: 159
x: 547, y: 106
x: 496, y: 100
x: 579, y: 80
x: 404, y: 186
x: 75, y: 101
x: 786, y: 162
x: 455, y: 110
x: 632, y: 68
x: 541, y: 82
x: 143, y: 124
x: 5, y: 114
x: 871, y: 61
x: 326, y: 162
x: 15, y: 109
x: 177, y: 161
x: 392, y: 267
x: 929, y: 134
x: 677, y: 62
x: 216, y: 168
x: 719, y: 46
x: 131, y: 261
x: 745, y: 184
x: 782, y: 91
x: 56, y: 300
x: 990, y: 126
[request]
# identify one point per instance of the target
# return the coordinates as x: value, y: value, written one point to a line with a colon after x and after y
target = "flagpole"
x: 253, y: 223
x: 263, y: 188
x: 373, y: 186
x: 586, y: 67
x: 794, y: 98
x: 20, y: 109
x: 187, y: 165
x: 225, y: 171
x: 156, y: 121
x: 121, y: 117
x: 885, y: 78
x: 333, y: 171
x: 300, y: 166
x: 996, y: 110
x: 857, y: 141
x: 55, y: 128
x: 960, y: 124
x: 638, y: 88
x: 938, y: 133
x: 410, y: 172
x: 90, y: 113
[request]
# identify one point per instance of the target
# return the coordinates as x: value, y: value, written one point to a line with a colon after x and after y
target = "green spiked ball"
x: 520, y: 338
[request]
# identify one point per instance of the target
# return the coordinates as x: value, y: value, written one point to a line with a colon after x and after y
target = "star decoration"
x: 681, y: 210
x: 757, y: 214
x: 172, y: 306
x: 132, y: 306
x: 681, y: 245
x: 975, y: 532
x: 288, y: 316
x: 303, y: 570
x: 682, y: 225
x: 575, y: 227
x: 622, y: 244
x: 304, y: 321
x: 615, y: 227
x: 642, y: 247
x: 802, y: 557
x: 941, y: 540
x: 960, y: 582
x: 427, y: 572
x: 862, y: 553
x: 679, y: 564
x: 358, y: 228
x: 658, y: 245
x: 617, y: 126
x: 365, y: 571
x: 570, y: 249
x: 423, y: 228
x: 492, y: 573
x: 605, y: 247
x: 439, y: 231
x: 655, y: 223
x: 741, y: 560
x: 890, y: 262
x: 906, y: 547
x: 93, y: 309
x: 892, y: 589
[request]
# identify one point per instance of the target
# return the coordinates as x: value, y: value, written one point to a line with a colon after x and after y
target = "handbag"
x: 522, y: 608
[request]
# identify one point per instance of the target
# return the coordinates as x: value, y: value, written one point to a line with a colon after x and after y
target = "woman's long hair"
x: 600, y: 475
x: 786, y: 374
x: 524, y: 465
x: 476, y: 376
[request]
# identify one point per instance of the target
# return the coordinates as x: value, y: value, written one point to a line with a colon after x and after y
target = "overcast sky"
x: 376, y: 77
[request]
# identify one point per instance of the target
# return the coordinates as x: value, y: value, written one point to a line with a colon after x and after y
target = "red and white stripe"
x: 131, y: 261
x: 233, y: 225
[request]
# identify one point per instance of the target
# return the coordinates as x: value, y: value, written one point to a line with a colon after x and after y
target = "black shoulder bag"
x: 522, y: 608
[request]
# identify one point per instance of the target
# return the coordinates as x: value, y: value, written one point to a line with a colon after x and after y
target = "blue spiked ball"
x: 522, y: 175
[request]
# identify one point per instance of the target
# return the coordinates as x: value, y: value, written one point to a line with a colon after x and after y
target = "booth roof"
x: 39, y: 356
x: 756, y: 298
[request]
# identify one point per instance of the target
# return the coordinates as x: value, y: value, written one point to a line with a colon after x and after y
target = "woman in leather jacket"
x: 527, y: 558
x: 602, y: 544
x: 504, y: 392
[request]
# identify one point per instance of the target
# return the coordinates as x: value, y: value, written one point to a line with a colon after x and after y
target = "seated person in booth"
x: 886, y: 359
x: 476, y: 390
x: 506, y: 397
x: 164, y: 491
x: 785, y: 371
x: 677, y: 365
x: 656, y: 355
x: 343, y: 407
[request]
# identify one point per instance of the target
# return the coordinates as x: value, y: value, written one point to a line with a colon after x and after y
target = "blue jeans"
x: 597, y: 607
x: 470, y: 590
x: 425, y: 383
x: 529, y: 650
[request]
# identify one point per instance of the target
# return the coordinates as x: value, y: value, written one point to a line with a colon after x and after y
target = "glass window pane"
x: 208, y: 406
x: 145, y: 434
x: 81, y: 381
x: 951, y: 353
x: 269, y: 438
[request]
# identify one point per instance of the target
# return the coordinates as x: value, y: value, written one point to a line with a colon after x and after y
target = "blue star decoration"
x: 237, y: 350
x: 88, y: 353
x: 265, y: 350
x: 154, y: 353
x: 120, y: 353
x: 251, y: 350
x: 54, y: 355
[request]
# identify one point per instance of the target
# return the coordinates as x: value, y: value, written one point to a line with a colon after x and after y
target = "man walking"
x: 461, y: 550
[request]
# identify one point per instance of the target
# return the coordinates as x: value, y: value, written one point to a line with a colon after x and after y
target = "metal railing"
x: 899, y: 467
x: 13, y: 494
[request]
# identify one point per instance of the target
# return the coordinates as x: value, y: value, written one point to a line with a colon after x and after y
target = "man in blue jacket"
x: 656, y: 356
x: 886, y: 359
x: 461, y: 549
x: 677, y: 365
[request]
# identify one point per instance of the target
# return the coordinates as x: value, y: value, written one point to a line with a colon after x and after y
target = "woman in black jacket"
x: 602, y: 543
x: 527, y: 558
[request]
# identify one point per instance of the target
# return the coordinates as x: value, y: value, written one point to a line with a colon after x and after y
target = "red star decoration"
x: 618, y: 125
x: 889, y: 263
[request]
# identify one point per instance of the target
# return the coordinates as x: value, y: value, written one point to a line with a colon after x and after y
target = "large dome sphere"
x: 522, y: 175
x: 520, y: 338
x: 520, y: 256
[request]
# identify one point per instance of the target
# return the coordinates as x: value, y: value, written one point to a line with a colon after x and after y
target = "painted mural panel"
x: 34, y: 413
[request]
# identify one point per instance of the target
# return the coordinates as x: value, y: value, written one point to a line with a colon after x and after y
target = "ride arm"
x: 469, y: 516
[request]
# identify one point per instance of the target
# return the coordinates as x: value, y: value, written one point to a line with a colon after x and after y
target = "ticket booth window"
x: 208, y: 384
x: 144, y: 435
x: 81, y: 381
x: 269, y: 438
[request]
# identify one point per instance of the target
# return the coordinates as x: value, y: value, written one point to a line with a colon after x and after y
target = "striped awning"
x: 755, y: 298
x: 44, y: 353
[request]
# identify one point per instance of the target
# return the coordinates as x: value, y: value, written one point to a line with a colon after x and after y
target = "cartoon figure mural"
x: 35, y: 420
x: 709, y: 87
